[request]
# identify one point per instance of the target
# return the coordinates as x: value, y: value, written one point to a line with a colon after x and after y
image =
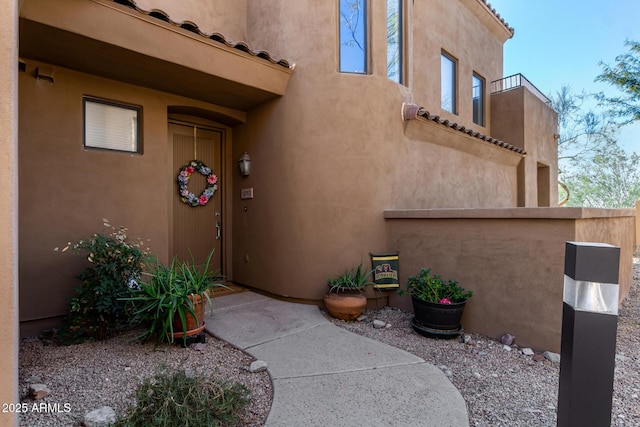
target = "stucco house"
x: 371, y: 126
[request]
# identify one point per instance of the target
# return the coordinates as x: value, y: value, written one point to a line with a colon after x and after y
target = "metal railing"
x: 515, y: 81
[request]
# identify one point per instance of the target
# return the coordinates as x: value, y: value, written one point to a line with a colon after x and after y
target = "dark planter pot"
x: 437, y: 319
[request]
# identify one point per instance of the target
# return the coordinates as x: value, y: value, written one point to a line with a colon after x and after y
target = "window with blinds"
x: 111, y: 126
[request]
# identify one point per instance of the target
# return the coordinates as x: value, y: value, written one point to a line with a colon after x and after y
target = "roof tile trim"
x: 412, y: 111
x: 193, y: 28
x: 497, y: 15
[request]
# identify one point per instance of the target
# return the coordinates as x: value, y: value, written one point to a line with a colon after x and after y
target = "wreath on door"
x: 184, y: 175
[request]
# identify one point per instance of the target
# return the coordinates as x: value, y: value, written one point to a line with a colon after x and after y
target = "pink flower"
x: 212, y: 179
x: 445, y: 301
x: 204, y: 199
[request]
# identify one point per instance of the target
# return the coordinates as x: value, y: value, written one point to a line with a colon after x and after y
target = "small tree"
x: 608, y: 179
x: 625, y: 76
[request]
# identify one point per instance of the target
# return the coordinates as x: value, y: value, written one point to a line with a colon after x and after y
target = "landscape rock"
x: 33, y: 379
x: 446, y: 370
x: 362, y: 318
x: 553, y: 357
x: 388, y: 325
x: 508, y: 339
x: 506, y: 347
x: 379, y: 324
x: 538, y: 357
x: 258, y: 366
x: 38, y: 391
x: 101, y: 417
x: 527, y: 352
x: 199, y: 347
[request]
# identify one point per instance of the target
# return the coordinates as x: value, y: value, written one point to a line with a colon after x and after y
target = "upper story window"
x: 448, y: 83
x: 478, y: 100
x: 394, y: 40
x: 353, y: 36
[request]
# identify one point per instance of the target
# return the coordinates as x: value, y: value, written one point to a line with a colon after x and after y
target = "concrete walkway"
x: 324, y: 375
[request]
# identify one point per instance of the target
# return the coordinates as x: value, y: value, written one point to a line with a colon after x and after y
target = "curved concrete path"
x: 324, y: 375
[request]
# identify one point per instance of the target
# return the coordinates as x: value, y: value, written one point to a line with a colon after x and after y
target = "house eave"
x: 110, y: 40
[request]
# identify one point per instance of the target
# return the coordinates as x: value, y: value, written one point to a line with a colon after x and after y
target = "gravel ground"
x: 92, y: 375
x: 507, y: 388
x: 501, y: 388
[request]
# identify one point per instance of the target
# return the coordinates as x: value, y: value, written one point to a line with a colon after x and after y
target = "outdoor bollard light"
x: 589, y: 325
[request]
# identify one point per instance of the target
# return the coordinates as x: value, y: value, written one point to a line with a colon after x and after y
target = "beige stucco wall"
x: 334, y: 152
x: 513, y: 260
x: 67, y: 190
x: 637, y: 222
x: 453, y: 27
x: 520, y: 117
x: 8, y: 210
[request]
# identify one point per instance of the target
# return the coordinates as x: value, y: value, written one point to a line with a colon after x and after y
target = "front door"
x: 197, y: 229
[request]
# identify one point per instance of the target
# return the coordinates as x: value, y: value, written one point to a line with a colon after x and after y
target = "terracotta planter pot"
x: 345, y: 305
x: 194, y: 325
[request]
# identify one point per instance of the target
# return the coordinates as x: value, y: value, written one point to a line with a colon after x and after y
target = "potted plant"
x: 171, y: 302
x: 437, y: 304
x: 345, y: 299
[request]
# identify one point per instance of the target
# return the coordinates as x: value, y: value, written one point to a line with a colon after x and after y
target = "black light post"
x: 589, y: 325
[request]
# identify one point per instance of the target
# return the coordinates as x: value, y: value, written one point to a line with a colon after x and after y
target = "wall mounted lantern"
x: 245, y: 164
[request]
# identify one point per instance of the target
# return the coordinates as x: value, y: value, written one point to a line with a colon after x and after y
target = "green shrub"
x: 182, y: 399
x: 97, y: 310
x: 431, y: 287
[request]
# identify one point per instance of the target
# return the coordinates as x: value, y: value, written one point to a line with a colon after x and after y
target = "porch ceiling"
x: 110, y: 40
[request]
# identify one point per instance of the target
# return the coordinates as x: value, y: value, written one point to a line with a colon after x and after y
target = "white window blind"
x: 111, y: 126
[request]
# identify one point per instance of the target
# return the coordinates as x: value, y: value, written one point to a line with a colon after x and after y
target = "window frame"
x: 366, y: 41
x: 137, y: 109
x: 453, y: 85
x: 482, y: 104
x: 401, y: 41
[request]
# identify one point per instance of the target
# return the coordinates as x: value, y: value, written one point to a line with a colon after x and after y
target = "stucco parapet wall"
x: 108, y: 39
x: 509, y: 213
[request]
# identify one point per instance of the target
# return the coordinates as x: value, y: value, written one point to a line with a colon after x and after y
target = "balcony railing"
x: 515, y: 81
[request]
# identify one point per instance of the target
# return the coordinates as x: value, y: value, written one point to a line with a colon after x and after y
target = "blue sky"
x: 560, y: 42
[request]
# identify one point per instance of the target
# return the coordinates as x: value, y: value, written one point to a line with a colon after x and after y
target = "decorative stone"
x: 379, y: 324
x: 507, y: 339
x: 538, y: 357
x: 445, y: 370
x: 553, y: 357
x: 388, y: 325
x: 362, y: 318
x: 38, y: 391
x: 32, y: 379
x: 258, y: 366
x: 101, y: 417
x: 506, y: 347
x: 199, y: 347
x: 527, y: 352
